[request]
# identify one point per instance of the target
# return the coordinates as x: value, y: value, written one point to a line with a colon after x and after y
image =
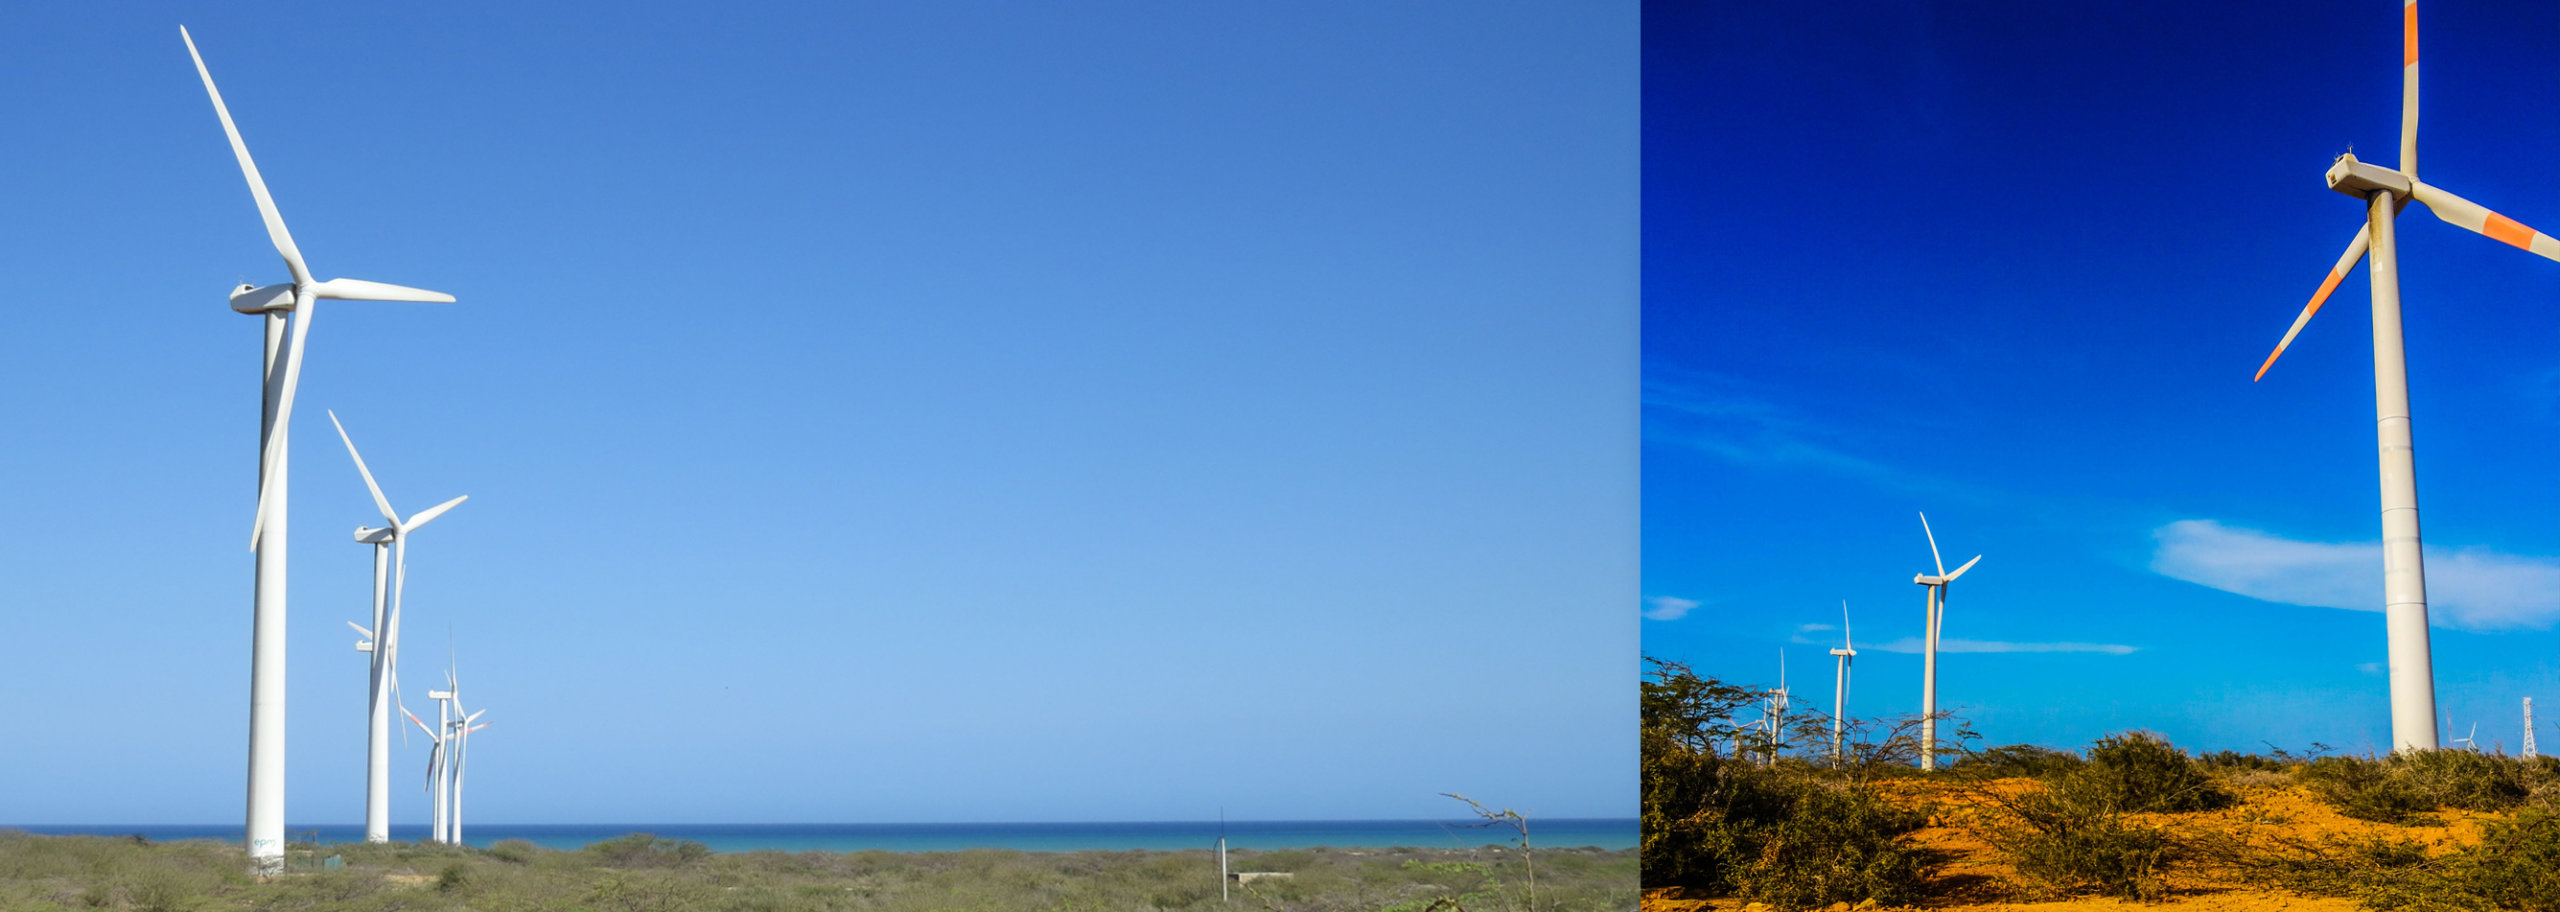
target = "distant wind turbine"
x: 1777, y: 709
x: 2385, y: 192
x: 382, y: 640
x: 1840, y: 681
x: 299, y: 298
x: 1937, y: 586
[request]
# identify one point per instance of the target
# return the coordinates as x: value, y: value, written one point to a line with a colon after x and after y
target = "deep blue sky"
x: 879, y: 412
x: 2013, y: 264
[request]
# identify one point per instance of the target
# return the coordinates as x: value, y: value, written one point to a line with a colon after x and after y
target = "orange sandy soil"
x: 1974, y: 878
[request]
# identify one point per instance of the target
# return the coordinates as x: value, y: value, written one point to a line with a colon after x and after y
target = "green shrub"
x: 2365, y: 789
x: 516, y: 851
x: 2469, y: 780
x: 1776, y: 835
x: 643, y: 850
x: 2074, y: 843
x: 2231, y: 761
x: 2017, y: 761
x: 2137, y: 772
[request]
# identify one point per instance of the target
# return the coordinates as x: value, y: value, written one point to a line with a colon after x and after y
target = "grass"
x: 641, y: 873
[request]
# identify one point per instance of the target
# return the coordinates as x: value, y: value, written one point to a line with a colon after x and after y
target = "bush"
x: 643, y: 850
x: 1774, y: 835
x: 2469, y: 780
x: 2364, y: 788
x: 2231, y: 761
x: 2017, y: 761
x: 2074, y: 842
x: 2137, y: 772
x: 516, y: 851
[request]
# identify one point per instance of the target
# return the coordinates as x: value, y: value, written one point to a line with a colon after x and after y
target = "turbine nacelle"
x: 1844, y: 652
x: 258, y: 299
x: 2361, y: 179
x: 372, y: 536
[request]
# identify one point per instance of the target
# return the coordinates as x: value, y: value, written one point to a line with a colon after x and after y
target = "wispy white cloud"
x: 1668, y: 608
x: 2371, y: 668
x: 1950, y: 644
x: 1809, y: 628
x: 2467, y: 588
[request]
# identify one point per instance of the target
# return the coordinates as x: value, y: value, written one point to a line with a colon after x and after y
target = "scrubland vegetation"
x: 1733, y: 813
x: 646, y: 874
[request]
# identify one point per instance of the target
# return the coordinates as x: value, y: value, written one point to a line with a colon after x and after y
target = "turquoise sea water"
x: 1606, y: 833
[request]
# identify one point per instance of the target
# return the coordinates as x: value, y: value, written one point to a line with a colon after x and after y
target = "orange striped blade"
x: 2337, y: 273
x: 2409, y: 33
x: 2476, y: 217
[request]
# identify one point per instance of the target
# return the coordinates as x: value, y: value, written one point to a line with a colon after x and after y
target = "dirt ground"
x: 1975, y: 879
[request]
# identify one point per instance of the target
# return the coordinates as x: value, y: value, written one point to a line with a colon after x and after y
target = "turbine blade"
x: 1968, y: 565
x: 1933, y: 544
x: 2471, y: 215
x: 379, y: 501
x: 360, y: 629
x: 429, y: 514
x: 1846, y: 642
x: 361, y: 290
x: 302, y: 312
x: 276, y: 232
x: 2337, y: 273
x: 2409, y: 88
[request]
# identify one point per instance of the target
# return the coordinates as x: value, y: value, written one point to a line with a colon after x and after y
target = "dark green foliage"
x: 2235, y: 761
x: 2016, y: 761
x: 1793, y: 835
x: 2469, y: 780
x: 2077, y: 842
x: 2516, y: 866
x: 2364, y: 788
x: 2137, y: 772
x: 2406, y: 788
x: 454, y: 878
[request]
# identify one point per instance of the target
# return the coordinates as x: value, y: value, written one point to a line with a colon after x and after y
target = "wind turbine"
x: 1840, y: 681
x: 267, y: 527
x: 2385, y: 192
x: 1937, y: 586
x: 1777, y: 708
x: 435, y: 759
x: 383, y: 639
x: 2465, y: 740
x: 464, y: 723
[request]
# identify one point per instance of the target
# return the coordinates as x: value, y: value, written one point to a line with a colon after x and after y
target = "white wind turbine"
x: 1777, y: 708
x: 383, y: 638
x: 459, y: 734
x: 1937, y: 586
x: 267, y: 528
x: 1840, y: 681
x: 2385, y: 192
x: 435, y: 758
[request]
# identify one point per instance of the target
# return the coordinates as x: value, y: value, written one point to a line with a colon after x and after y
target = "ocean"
x: 1605, y: 833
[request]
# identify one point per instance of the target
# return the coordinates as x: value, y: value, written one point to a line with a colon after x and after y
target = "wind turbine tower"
x: 281, y: 370
x: 1840, y: 680
x: 1777, y: 710
x: 2385, y: 192
x: 1937, y: 596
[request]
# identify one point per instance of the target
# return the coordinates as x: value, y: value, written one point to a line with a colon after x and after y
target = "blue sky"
x: 2013, y: 264
x: 884, y: 412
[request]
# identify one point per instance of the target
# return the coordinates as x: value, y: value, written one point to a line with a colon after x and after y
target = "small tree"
x: 1516, y: 822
